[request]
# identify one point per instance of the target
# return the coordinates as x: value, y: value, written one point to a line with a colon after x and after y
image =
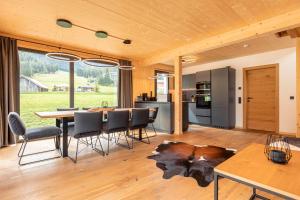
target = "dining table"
x: 62, y: 117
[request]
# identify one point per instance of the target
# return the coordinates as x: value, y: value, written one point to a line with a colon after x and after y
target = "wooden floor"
x: 124, y: 174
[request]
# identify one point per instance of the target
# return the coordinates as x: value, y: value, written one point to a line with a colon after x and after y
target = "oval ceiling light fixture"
x: 126, y: 67
x: 101, y: 34
x: 64, y: 23
x: 100, y: 62
x: 66, y: 57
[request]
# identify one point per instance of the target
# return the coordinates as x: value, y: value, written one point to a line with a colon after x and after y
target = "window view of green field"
x: 44, y: 86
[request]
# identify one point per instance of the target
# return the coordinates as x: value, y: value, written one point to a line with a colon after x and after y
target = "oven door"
x: 203, y: 101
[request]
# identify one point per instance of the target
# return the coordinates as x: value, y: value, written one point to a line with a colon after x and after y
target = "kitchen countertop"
x: 151, y: 102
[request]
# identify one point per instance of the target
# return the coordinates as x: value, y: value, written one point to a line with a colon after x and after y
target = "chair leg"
x: 69, y: 142
x: 92, y: 142
x: 21, y: 156
x: 132, y: 138
x: 95, y: 147
x: 100, y: 145
x: 76, y: 150
x: 147, y: 136
x: 125, y: 135
x: 154, y: 129
x: 57, y: 144
x: 107, y: 144
x: 21, y: 148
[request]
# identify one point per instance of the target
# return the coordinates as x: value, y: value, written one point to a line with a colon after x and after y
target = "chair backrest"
x: 139, y: 117
x: 16, y: 124
x: 69, y: 119
x: 86, y: 122
x: 153, y: 113
x: 117, y: 120
x: 67, y: 109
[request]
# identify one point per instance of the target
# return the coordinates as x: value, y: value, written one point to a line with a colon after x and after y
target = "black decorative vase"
x: 277, y: 149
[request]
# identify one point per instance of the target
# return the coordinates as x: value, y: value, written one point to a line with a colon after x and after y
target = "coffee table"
x: 251, y: 167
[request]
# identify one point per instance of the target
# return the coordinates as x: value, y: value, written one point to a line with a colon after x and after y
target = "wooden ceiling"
x: 261, y: 44
x: 152, y: 25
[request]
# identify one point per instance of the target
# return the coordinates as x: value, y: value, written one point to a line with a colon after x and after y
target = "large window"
x: 161, y: 83
x: 45, y: 86
x: 95, y: 86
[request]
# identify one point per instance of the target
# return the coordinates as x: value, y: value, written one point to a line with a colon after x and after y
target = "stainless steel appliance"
x: 203, y: 94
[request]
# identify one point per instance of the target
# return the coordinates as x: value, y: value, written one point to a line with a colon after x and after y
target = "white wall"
x: 286, y: 58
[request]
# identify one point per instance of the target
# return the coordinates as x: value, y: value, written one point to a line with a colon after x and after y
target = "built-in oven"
x: 203, y: 94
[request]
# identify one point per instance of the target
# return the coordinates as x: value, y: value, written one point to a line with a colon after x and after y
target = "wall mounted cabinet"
x: 203, y: 76
x: 189, y: 81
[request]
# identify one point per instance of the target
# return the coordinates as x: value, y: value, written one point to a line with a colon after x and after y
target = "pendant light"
x: 100, y: 62
x: 126, y: 65
x: 61, y: 56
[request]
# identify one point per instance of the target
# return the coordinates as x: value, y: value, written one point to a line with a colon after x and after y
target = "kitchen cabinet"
x: 223, y: 97
x: 165, y: 117
x: 198, y: 116
x: 203, y: 76
x: 189, y: 81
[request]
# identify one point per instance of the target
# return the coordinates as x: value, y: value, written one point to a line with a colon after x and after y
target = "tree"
x: 106, y: 80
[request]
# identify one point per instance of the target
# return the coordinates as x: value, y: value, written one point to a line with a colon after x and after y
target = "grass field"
x: 58, y: 78
x: 50, y: 101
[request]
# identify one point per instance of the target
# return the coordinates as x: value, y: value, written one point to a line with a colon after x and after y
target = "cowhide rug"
x: 178, y: 158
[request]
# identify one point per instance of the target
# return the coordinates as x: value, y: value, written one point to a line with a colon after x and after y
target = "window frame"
x: 71, y: 77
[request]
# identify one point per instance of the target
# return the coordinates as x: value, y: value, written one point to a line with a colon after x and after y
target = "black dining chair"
x: 87, y: 124
x: 117, y: 123
x: 139, y: 120
x: 18, y: 128
x: 152, y: 117
x: 69, y: 119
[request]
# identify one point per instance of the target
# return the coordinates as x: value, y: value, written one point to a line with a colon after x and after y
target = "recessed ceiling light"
x: 246, y: 45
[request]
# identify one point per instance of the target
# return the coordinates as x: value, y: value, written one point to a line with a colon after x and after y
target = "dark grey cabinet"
x: 189, y: 81
x: 203, y: 76
x: 198, y: 116
x: 165, y: 117
x: 223, y: 97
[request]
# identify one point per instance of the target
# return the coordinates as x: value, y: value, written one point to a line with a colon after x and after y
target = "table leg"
x: 65, y: 137
x: 216, y: 186
x: 57, y: 143
x: 257, y: 196
x: 140, y: 134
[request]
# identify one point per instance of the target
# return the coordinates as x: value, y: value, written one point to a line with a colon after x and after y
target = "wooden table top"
x: 61, y: 114
x: 251, y: 165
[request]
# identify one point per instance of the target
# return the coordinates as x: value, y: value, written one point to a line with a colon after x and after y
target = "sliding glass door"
x: 45, y: 86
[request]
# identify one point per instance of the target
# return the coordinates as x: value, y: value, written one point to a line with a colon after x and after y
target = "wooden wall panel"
x: 141, y: 81
x: 298, y: 85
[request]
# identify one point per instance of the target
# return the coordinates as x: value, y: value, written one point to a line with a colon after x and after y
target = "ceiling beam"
x: 278, y: 23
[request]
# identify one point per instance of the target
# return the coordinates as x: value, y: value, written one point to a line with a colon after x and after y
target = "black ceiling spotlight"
x: 127, y: 41
x: 99, y: 34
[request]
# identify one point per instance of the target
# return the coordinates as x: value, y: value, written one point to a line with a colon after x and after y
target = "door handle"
x: 248, y: 99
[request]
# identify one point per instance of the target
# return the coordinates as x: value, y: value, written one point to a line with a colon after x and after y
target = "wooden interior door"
x: 261, y: 98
